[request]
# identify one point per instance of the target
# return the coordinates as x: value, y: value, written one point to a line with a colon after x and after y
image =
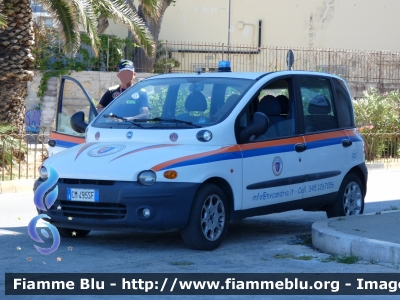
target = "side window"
x: 319, y: 111
x: 275, y: 102
x: 344, y: 106
x: 73, y: 99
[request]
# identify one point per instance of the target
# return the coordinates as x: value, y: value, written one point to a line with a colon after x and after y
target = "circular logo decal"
x: 277, y: 166
x: 115, y: 95
x: 129, y: 134
x: 202, y: 120
x: 135, y: 95
x: 97, y: 135
x: 105, y: 150
x: 173, y: 137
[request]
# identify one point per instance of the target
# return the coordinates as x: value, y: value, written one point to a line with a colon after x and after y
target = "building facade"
x: 340, y: 24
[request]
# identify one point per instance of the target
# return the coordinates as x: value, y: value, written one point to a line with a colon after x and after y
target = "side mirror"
x: 78, y: 122
x: 258, y: 126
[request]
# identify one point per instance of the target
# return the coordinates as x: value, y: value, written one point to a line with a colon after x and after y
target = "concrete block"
x: 375, y: 166
x: 7, y: 187
x: 15, y: 186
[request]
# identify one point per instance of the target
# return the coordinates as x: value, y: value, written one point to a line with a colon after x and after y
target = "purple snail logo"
x: 45, y: 196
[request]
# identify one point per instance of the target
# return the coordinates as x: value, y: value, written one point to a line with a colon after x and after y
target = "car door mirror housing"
x: 78, y: 122
x: 258, y: 126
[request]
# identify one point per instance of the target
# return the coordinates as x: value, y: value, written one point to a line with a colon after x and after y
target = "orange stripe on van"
x: 226, y: 149
x: 274, y: 143
x: 325, y: 136
x: 67, y: 138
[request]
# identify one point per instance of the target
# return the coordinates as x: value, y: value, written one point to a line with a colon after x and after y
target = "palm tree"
x: 154, y: 25
x: 2, y: 17
x: 17, y: 38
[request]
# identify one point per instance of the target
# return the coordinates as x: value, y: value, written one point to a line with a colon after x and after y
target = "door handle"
x: 346, y: 143
x: 300, y: 147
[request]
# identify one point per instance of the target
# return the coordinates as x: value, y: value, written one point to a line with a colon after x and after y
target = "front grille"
x: 85, y: 181
x: 89, y: 210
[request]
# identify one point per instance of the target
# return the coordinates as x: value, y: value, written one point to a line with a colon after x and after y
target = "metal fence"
x: 22, y: 155
x: 352, y: 65
x: 382, y: 147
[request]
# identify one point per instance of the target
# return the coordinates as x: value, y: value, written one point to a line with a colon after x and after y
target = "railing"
x: 22, y: 154
x: 352, y: 65
x: 382, y: 147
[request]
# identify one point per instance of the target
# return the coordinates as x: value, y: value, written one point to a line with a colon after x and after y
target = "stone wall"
x: 358, y: 87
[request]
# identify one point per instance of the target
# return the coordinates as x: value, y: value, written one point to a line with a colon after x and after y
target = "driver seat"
x: 195, y: 102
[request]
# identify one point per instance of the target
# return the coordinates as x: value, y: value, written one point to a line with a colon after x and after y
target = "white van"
x: 215, y: 148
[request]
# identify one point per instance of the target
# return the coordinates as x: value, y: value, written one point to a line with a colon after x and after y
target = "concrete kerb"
x: 327, y: 239
x: 16, y: 186
x: 383, y: 166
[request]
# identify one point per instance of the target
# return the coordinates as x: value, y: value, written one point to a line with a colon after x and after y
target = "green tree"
x: 2, y: 17
x: 163, y: 62
x: 378, y: 113
x: 16, y: 59
x: 378, y: 120
x: 153, y: 22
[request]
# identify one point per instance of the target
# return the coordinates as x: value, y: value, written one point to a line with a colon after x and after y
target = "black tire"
x: 208, y: 219
x: 72, y: 233
x: 350, y: 199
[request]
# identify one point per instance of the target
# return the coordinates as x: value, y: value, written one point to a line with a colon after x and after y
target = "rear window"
x: 344, y: 105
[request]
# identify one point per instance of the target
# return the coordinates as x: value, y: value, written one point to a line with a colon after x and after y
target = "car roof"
x: 240, y: 75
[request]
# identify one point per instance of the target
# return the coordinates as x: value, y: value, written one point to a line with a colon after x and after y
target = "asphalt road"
x: 268, y: 244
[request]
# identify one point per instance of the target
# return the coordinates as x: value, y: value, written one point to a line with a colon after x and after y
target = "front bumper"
x: 121, y: 205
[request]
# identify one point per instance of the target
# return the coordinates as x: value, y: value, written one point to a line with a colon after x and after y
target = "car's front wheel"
x: 72, y: 233
x: 350, y: 198
x: 208, y: 219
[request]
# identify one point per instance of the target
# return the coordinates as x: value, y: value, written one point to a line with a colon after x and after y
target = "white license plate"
x: 83, y: 195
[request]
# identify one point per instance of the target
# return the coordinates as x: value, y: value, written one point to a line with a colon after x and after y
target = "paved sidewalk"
x: 372, y: 237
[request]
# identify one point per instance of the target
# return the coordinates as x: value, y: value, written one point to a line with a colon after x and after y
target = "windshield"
x: 174, y: 102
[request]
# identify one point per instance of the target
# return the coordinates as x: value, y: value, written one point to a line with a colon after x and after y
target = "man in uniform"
x: 126, y: 75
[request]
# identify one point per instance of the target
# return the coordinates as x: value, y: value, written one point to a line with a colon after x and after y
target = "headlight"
x: 147, y: 177
x: 43, y: 173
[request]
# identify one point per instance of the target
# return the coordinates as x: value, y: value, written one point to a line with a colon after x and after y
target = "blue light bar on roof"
x: 224, y: 66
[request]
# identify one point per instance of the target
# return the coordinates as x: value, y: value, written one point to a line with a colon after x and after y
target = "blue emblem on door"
x: 277, y: 166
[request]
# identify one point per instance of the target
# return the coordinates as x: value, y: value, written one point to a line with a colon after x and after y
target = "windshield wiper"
x: 158, y: 119
x: 113, y: 116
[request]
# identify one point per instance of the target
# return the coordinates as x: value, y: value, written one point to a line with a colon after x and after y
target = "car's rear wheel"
x: 72, y: 233
x: 208, y: 219
x: 350, y: 198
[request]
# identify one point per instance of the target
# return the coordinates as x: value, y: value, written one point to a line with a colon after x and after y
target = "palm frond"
x: 152, y: 8
x: 7, y: 128
x: 3, y: 18
x: 119, y: 10
x: 65, y: 13
x: 88, y: 20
